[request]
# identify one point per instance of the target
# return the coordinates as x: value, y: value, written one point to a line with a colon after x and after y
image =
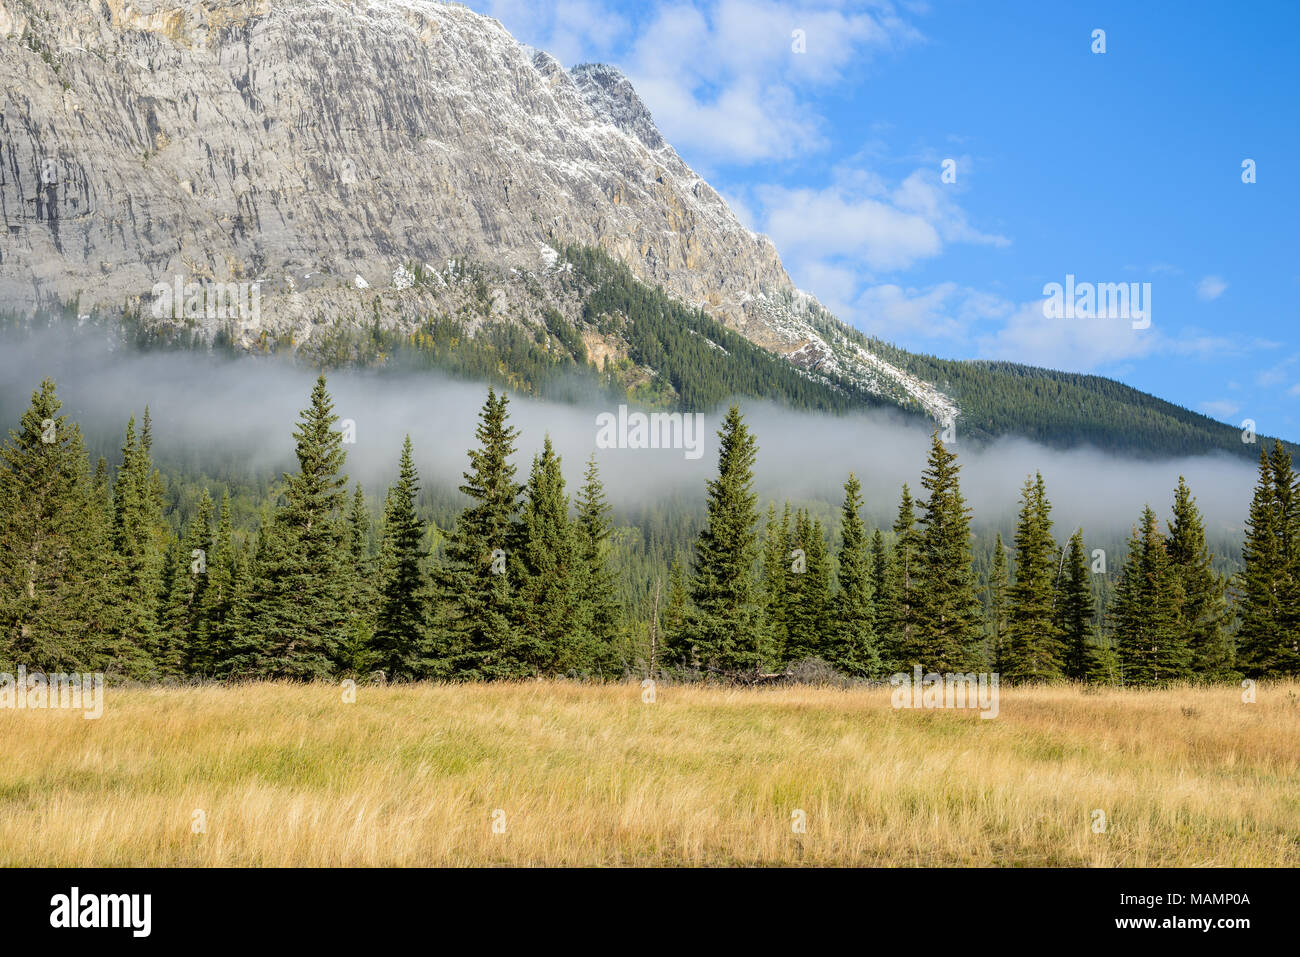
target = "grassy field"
x: 416, y: 775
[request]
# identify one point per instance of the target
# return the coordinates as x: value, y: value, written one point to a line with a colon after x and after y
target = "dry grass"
x: 290, y: 775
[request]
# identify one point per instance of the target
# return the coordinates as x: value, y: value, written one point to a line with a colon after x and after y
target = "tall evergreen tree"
x: 776, y: 570
x: 1204, y: 611
x: 723, y: 623
x: 809, y: 629
x: 46, y: 528
x: 475, y: 635
x: 1034, y: 651
x: 296, y: 616
x: 879, y: 592
x: 1075, y: 609
x: 856, y: 650
x: 949, y: 624
x: 138, y: 555
x: 358, y: 654
x: 901, y: 607
x: 602, y: 616
x: 188, y: 581
x: 1149, y: 637
x: 546, y: 569
x: 999, y: 586
x: 213, y: 636
x: 401, y: 631
x: 1266, y: 639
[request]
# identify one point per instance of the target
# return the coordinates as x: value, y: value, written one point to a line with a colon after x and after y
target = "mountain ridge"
x: 237, y: 140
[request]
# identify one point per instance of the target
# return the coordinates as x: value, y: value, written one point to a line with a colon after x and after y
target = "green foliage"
x: 722, y: 628
x: 1034, y: 651
x: 949, y: 634
x: 401, y: 629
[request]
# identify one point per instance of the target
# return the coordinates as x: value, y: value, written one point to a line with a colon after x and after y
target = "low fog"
x: 248, y: 407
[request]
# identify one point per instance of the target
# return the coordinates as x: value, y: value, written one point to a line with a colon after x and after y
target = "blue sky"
x: 1122, y: 166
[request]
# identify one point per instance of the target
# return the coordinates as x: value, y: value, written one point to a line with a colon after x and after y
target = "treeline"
x: 92, y: 581
x: 520, y: 583
x: 757, y: 605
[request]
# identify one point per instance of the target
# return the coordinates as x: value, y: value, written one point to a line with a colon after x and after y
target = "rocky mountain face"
x: 331, y: 151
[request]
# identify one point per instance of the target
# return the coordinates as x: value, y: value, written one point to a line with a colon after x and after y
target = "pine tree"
x: 1075, y: 609
x: 1149, y: 637
x: 1264, y: 641
x: 138, y: 557
x: 475, y: 636
x: 1204, y: 611
x: 602, y: 616
x: 294, y: 623
x: 401, y: 629
x: 46, y: 527
x: 676, y: 638
x: 1034, y: 651
x: 901, y: 606
x: 808, y: 596
x: 776, y: 569
x: 545, y: 567
x: 358, y: 655
x: 949, y: 629
x: 1286, y: 493
x: 213, y: 634
x: 856, y: 650
x: 724, y: 622
x: 999, y: 585
x: 879, y: 592
x: 188, y: 581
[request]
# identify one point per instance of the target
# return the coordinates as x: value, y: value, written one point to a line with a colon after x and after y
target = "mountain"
x: 411, y: 166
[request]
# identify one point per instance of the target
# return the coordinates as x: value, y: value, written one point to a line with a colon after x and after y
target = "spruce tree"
x: 1034, y: 651
x: 475, y: 638
x: 776, y: 569
x: 138, y: 556
x: 1075, y: 609
x: 1286, y: 495
x: 724, y: 623
x: 1204, y: 611
x: 358, y: 654
x: 810, y: 633
x: 401, y: 629
x: 296, y: 617
x: 546, y: 571
x: 1263, y: 643
x: 949, y: 628
x: 598, y: 595
x: 999, y: 586
x: 879, y: 592
x: 46, y: 532
x: 188, y: 581
x: 1150, y: 641
x: 214, y: 632
x: 856, y: 651
x: 901, y: 635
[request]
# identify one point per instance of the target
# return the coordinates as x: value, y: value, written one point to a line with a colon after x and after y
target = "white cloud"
x: 724, y: 82
x: 1221, y: 408
x: 1071, y: 344
x: 1211, y: 288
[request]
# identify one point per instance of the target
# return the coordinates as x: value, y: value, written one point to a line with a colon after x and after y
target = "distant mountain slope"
x: 405, y: 171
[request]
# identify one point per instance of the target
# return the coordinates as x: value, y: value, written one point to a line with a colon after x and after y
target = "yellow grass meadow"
x: 278, y: 774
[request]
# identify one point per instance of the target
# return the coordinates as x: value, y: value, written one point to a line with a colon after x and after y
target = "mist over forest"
x: 215, y: 410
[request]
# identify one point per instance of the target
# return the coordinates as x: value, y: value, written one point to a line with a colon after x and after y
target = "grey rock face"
x: 319, y: 145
